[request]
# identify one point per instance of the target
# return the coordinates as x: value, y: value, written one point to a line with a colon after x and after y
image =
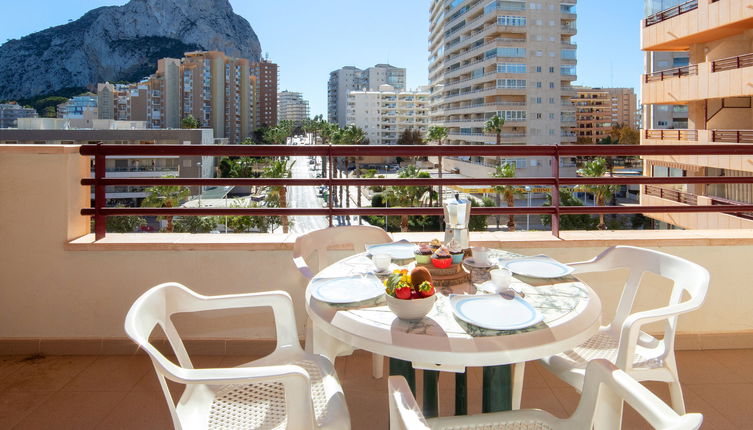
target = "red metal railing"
x: 100, y: 212
x: 671, y: 73
x: 732, y: 136
x: 732, y: 63
x: 669, y: 194
x: 676, y: 134
x: 671, y: 12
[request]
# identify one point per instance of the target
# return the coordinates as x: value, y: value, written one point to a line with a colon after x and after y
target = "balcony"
x: 742, y: 162
x: 725, y: 77
x: 62, y: 318
x: 655, y: 195
x: 693, y: 22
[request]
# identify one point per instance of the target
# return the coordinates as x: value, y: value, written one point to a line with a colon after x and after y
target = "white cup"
x: 501, y: 278
x: 382, y: 262
x: 480, y: 255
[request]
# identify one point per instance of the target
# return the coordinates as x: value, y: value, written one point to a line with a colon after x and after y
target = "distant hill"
x: 120, y: 43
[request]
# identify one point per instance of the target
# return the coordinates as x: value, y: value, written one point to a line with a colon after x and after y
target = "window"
x: 515, y: 21
x: 538, y: 100
x: 506, y: 52
x: 567, y: 70
x: 511, y: 83
x: 538, y: 116
x: 539, y: 53
x: 568, y: 54
x: 680, y: 62
x: 512, y: 115
x: 551, y: 100
x: 551, y: 116
x: 511, y: 68
x: 538, y: 69
x: 551, y: 70
x: 538, y: 84
x: 551, y: 84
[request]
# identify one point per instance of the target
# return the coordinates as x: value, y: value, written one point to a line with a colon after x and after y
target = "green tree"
x: 569, y: 222
x: 478, y: 222
x: 404, y: 196
x: 245, y: 223
x: 277, y: 196
x: 195, y: 224
x: 124, y: 224
x: 438, y: 134
x: 507, y: 192
x: 166, y: 196
x: 354, y: 135
x: 190, y: 122
x: 597, y: 168
x: 494, y: 125
x: 49, y: 112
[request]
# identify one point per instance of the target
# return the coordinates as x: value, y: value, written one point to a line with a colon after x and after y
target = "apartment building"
x: 346, y: 79
x: 11, y: 112
x: 387, y: 112
x: 597, y: 110
x: 666, y: 116
x: 292, y: 107
x: 716, y: 36
x: 510, y: 58
x: 215, y: 89
x: 267, y: 77
x: 83, y: 106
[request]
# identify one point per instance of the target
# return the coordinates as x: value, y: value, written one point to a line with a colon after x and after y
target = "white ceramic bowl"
x: 411, y: 310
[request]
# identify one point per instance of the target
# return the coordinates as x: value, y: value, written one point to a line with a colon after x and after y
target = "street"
x: 304, y: 197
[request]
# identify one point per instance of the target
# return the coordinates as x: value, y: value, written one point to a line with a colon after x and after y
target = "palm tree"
x: 279, y: 169
x: 494, y: 125
x: 354, y: 135
x: 507, y: 192
x: 404, y: 196
x: 438, y: 134
x: 166, y: 196
x: 610, y: 161
x: 597, y: 168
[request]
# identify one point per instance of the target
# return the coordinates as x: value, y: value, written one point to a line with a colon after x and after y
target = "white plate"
x: 537, y: 267
x: 495, y: 312
x: 401, y: 250
x: 347, y: 289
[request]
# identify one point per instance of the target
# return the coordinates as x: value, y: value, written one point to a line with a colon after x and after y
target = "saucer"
x: 470, y: 262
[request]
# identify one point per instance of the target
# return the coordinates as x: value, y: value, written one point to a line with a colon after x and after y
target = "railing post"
x: 556, y: 192
x: 100, y: 221
x: 330, y: 188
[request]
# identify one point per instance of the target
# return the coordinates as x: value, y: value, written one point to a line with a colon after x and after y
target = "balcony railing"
x: 671, y: 12
x: 671, y: 73
x: 720, y: 201
x: 672, y: 195
x: 683, y: 134
x: 732, y: 136
x: 732, y: 63
x: 100, y: 181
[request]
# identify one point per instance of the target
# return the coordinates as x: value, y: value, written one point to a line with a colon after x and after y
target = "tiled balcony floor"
x: 121, y: 392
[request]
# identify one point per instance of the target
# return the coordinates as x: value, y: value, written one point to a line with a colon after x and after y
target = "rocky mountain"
x: 120, y: 43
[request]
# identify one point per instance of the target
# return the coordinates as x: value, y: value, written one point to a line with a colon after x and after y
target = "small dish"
x: 471, y: 262
x: 495, y: 312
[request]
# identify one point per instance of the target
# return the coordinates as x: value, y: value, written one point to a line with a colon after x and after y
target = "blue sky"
x: 309, y: 42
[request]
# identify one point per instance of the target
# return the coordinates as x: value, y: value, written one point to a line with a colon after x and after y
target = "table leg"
x: 404, y: 369
x: 496, y: 394
x: 461, y: 393
x: 431, y: 394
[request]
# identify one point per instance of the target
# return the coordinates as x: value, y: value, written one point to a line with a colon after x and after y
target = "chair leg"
x: 377, y: 366
x: 518, y: 371
x: 675, y: 395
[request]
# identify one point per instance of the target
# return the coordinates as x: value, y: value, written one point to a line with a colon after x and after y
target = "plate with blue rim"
x: 537, y: 267
x: 400, y: 250
x: 347, y: 289
x: 495, y: 312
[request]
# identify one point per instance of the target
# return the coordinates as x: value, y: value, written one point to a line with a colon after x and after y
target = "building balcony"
x: 726, y: 77
x: 679, y: 27
x: 743, y: 162
x: 64, y: 348
x: 663, y: 196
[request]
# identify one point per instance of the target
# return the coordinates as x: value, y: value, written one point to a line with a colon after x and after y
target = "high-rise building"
x: 667, y: 116
x: 716, y: 38
x: 83, y: 106
x: 349, y: 78
x: 387, y: 112
x: 515, y: 59
x: 267, y: 78
x: 292, y: 107
x: 11, y: 112
x: 597, y: 110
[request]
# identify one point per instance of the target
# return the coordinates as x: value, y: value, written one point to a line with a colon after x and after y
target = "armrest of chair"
x: 404, y: 411
x: 279, y: 301
x: 300, y: 263
x: 631, y: 329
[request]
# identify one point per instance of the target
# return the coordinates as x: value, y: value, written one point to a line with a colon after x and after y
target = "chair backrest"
x: 688, y: 277
x: 606, y: 386
x: 319, y: 242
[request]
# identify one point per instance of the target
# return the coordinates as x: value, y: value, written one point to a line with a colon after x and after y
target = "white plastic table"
x: 442, y: 342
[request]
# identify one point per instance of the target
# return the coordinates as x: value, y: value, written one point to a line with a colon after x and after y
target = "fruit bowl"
x: 441, y: 263
x: 410, y: 310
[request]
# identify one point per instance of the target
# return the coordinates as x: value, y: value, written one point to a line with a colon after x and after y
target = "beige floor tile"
x: 111, y: 373
x: 568, y: 398
x: 9, y: 364
x: 368, y: 409
x: 47, y: 374
x: 72, y: 410
x: 139, y: 410
x: 699, y: 367
x: 15, y: 405
x: 542, y: 398
x: 533, y: 377
x: 733, y: 401
x: 737, y: 360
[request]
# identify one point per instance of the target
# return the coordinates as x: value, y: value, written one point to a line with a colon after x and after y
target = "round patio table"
x: 441, y: 342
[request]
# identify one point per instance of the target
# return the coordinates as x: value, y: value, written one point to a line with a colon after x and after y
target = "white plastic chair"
x: 622, y: 342
x: 604, y: 389
x: 287, y: 389
x: 318, y: 243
